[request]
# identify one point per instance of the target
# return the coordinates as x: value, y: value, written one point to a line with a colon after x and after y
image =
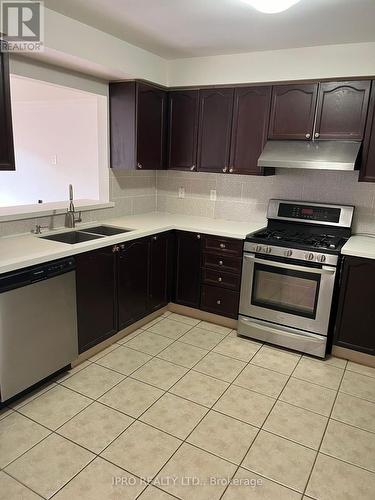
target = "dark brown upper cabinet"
x: 356, y: 314
x: 367, y: 173
x: 342, y: 110
x: 138, y: 126
x: 214, y: 134
x: 183, y: 129
x: 250, y: 126
x: 6, y: 130
x: 292, y: 111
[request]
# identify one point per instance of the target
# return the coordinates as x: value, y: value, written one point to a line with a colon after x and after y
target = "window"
x: 60, y: 137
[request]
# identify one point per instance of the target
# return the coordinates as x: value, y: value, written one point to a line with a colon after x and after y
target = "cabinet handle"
x: 221, y: 262
x: 308, y: 136
x: 317, y: 135
x: 220, y: 279
x: 218, y: 302
x: 198, y: 236
x: 222, y: 245
x: 225, y: 169
x: 192, y: 168
x: 154, y: 238
x: 139, y: 165
x: 231, y: 170
x: 115, y: 249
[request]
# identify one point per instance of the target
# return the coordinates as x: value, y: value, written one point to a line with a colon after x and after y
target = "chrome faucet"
x: 71, y: 217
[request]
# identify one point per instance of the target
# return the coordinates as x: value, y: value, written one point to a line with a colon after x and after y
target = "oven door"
x: 296, y: 296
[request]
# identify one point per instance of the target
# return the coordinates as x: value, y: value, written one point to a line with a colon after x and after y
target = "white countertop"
x: 360, y: 246
x: 26, y: 250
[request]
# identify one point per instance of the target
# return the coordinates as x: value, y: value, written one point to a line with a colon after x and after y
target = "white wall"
x: 51, y: 121
x: 330, y: 61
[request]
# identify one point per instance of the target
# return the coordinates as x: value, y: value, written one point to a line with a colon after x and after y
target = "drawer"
x: 223, y: 246
x: 224, y: 263
x: 221, y: 279
x: 219, y: 301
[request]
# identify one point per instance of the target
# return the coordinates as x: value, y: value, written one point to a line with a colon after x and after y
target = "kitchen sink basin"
x: 72, y: 237
x: 106, y: 230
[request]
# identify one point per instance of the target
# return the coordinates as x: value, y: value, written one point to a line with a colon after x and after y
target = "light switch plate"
x: 213, y: 194
x: 181, y: 192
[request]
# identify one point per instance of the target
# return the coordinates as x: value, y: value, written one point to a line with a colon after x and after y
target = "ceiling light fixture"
x: 271, y: 6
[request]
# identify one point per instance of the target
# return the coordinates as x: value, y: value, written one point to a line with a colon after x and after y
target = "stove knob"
x: 258, y: 249
x: 321, y: 258
x: 288, y: 253
x: 268, y: 250
x: 309, y: 256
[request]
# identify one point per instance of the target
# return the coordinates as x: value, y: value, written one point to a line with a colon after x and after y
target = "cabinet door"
x: 188, y: 269
x: 367, y: 173
x: 96, y: 297
x: 159, y: 273
x: 133, y: 281
x: 183, y: 129
x: 151, y: 118
x: 342, y: 110
x: 250, y: 127
x: 215, y: 123
x: 356, y: 313
x: 292, y: 111
x: 6, y: 131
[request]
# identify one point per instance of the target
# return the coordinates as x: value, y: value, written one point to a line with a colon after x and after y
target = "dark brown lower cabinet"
x: 96, y: 297
x: 188, y: 265
x: 161, y: 254
x: 133, y: 281
x: 220, y: 301
x: 355, y: 325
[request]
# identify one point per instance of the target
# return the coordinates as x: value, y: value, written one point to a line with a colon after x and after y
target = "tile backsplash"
x: 238, y: 197
x: 133, y: 192
x: 245, y: 198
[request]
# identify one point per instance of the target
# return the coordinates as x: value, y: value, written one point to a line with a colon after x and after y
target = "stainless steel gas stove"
x: 290, y: 274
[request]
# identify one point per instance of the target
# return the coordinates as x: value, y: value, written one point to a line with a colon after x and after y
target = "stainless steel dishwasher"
x: 38, y: 324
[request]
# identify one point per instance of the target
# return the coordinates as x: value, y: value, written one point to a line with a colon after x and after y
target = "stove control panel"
x: 290, y: 253
x: 309, y: 212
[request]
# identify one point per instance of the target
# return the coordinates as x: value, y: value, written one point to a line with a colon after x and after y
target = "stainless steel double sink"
x: 87, y: 234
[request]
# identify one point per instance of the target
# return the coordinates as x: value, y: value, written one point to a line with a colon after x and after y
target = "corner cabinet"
x: 183, y: 113
x: 367, y: 173
x: 215, y: 123
x: 355, y: 325
x: 249, y: 131
x: 7, y: 161
x: 138, y: 126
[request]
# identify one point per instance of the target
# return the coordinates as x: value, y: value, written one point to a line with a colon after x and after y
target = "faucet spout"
x: 72, y: 217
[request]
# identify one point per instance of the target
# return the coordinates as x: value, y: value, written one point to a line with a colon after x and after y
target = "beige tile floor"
x: 186, y: 409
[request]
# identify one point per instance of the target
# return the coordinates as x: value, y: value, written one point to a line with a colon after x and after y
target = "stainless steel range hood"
x: 323, y: 155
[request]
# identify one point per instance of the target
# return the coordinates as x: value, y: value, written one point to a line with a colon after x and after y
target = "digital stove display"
x: 307, y: 212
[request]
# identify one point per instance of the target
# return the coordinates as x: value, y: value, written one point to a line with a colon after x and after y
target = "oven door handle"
x: 292, y: 267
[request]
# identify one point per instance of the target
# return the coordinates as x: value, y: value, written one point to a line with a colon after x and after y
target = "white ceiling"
x: 190, y: 28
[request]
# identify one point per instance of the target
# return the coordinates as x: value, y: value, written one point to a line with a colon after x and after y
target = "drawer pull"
x: 218, y: 302
x: 221, y: 262
x: 198, y: 236
x: 220, y: 279
x: 222, y: 245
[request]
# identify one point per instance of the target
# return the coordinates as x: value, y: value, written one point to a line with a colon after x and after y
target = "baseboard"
x: 202, y: 315
x: 355, y: 356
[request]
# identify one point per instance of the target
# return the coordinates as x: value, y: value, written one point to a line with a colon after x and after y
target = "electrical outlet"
x: 213, y: 195
x: 181, y: 192
x: 54, y: 160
